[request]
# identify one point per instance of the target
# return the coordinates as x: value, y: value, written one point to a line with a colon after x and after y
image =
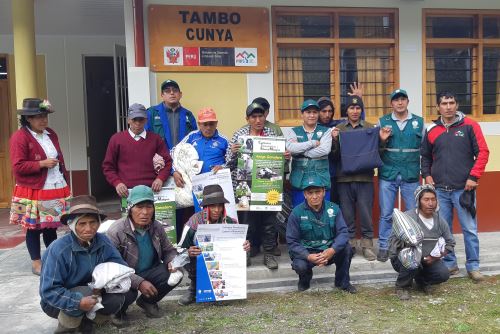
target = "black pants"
x: 260, y: 226
x: 436, y: 273
x: 334, y: 191
x: 182, y: 215
x: 358, y: 195
x: 342, y: 262
x: 191, y: 269
x: 158, y: 276
x: 33, y: 240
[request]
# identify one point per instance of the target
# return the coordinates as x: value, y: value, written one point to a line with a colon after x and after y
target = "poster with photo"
x: 260, y: 173
x: 221, y: 272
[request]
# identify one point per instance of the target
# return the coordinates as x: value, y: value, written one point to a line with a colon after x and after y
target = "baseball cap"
x: 207, y: 115
x: 254, y: 107
x: 263, y: 102
x: 140, y: 194
x: 398, y: 92
x: 137, y: 110
x: 169, y: 83
x: 309, y: 103
x: 314, y: 181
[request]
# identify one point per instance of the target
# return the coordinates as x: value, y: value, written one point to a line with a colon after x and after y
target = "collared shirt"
x: 139, y: 136
x: 401, y: 122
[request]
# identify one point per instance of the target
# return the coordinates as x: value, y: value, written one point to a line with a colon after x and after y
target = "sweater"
x: 131, y: 162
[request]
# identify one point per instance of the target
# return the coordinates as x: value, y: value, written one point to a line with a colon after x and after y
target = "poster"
x: 222, y: 178
x: 260, y: 173
x: 221, y: 272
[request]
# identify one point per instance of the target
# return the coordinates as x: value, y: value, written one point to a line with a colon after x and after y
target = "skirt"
x: 39, y: 208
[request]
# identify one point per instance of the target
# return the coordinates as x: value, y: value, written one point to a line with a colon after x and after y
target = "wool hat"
x: 419, y: 192
x: 213, y: 194
x: 354, y: 100
x: 308, y: 104
x: 82, y: 205
x: 207, y: 115
x: 35, y: 106
x: 254, y: 107
x: 140, y: 194
x: 263, y: 102
x: 137, y: 110
x: 398, y: 92
x: 169, y: 83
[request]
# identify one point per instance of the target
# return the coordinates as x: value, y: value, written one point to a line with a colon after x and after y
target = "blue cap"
x: 309, y: 103
x: 398, y: 92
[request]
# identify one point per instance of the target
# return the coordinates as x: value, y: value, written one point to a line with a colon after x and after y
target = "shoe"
x: 350, y: 288
x: 305, y: 281
x: 254, y: 251
x: 354, y: 243
x: 425, y: 288
x: 270, y: 261
x: 276, y: 251
x: 187, y: 298
x: 454, y: 270
x: 367, y: 248
x: 63, y: 330
x: 87, y: 326
x: 383, y: 255
x: 152, y: 310
x: 403, y: 293
x: 476, y: 276
x: 120, y: 319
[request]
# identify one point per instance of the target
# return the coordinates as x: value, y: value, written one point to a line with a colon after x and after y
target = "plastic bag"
x: 411, y: 257
x: 406, y: 229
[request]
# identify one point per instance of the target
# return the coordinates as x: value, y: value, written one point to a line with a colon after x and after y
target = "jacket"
x: 25, y: 156
x: 452, y: 154
x: 121, y: 235
x: 66, y: 264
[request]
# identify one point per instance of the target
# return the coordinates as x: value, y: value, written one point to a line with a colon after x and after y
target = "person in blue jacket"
x: 67, y: 268
x: 317, y: 235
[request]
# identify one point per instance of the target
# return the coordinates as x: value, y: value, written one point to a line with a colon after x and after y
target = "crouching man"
x: 213, y: 212
x: 317, y: 235
x: 432, y: 269
x: 67, y: 268
x: 143, y: 244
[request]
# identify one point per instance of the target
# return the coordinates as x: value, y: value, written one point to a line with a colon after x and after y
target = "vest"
x: 317, y: 234
x: 303, y: 168
x: 402, y: 153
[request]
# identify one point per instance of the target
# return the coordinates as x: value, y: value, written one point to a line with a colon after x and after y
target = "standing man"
x: 265, y: 104
x: 317, y: 235
x: 169, y: 119
x: 454, y: 156
x: 129, y: 157
x: 401, y: 169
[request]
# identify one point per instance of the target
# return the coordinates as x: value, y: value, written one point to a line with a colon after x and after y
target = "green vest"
x: 402, y: 152
x: 317, y: 234
x: 303, y: 168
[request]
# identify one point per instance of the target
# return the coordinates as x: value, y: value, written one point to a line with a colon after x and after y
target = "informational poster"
x: 222, y: 178
x: 221, y: 272
x: 260, y: 174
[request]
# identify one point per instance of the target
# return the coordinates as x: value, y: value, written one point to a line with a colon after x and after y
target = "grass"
x: 458, y: 306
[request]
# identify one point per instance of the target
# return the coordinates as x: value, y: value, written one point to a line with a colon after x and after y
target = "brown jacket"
x: 121, y: 235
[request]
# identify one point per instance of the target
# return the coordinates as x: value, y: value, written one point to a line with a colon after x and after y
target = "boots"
x: 354, y: 243
x: 367, y: 246
x: 305, y: 281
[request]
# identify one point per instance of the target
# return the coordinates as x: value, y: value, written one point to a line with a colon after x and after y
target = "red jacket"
x: 25, y: 156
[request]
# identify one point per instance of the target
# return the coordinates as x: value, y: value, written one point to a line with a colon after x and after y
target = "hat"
x: 354, y: 100
x: 140, y: 194
x: 137, y: 111
x: 169, y: 83
x: 419, y: 192
x: 325, y: 101
x: 213, y: 194
x: 34, y: 106
x: 468, y: 201
x: 207, y: 115
x: 254, y: 107
x: 263, y: 102
x: 314, y: 181
x: 81, y: 205
x: 309, y: 103
x: 397, y: 93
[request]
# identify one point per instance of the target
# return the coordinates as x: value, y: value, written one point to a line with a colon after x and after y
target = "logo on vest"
x: 215, y: 144
x: 304, y: 218
x: 459, y: 133
x: 414, y: 124
x: 319, y: 134
x: 330, y: 212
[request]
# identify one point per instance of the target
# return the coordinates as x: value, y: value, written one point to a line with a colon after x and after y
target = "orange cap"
x: 207, y: 115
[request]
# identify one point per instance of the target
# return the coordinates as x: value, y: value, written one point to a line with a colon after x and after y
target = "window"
x: 322, y: 51
x: 462, y: 55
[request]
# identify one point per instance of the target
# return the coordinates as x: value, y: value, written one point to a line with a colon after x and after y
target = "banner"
x: 221, y: 272
x: 260, y: 173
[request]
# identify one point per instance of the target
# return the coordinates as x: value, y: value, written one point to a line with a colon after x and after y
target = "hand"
x: 48, y: 163
x: 148, y: 289
x: 429, y: 180
x: 87, y: 303
x: 328, y: 254
x: 194, y: 251
x: 157, y: 184
x: 217, y: 168
x: 315, y: 258
x: 170, y: 268
x: 179, y: 181
x: 235, y: 147
x: 335, y: 133
x: 428, y: 260
x: 246, y: 246
x: 288, y: 155
x: 470, y: 185
x: 316, y: 143
x: 356, y: 89
x: 385, y: 133
x: 121, y: 190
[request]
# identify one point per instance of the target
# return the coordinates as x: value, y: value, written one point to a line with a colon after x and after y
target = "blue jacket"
x: 212, y: 151
x: 66, y: 264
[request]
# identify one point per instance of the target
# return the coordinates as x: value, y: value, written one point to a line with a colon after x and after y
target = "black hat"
x: 169, y: 83
x: 263, y: 102
x: 35, y: 106
x: 468, y: 201
x: 254, y: 107
x: 213, y: 194
x: 354, y: 100
x: 81, y: 205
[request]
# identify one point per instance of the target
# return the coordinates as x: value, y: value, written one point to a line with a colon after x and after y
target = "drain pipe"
x: 140, y: 55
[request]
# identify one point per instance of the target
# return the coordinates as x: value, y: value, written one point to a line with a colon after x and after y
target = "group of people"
x: 330, y: 192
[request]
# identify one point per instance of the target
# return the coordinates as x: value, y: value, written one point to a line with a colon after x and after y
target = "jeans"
x: 357, y: 195
x: 388, y: 191
x: 448, y: 200
x: 436, y: 273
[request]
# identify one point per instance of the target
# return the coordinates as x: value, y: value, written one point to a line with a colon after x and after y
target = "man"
x: 67, y: 268
x: 169, y: 119
x: 309, y: 145
x: 143, y: 244
x: 213, y: 212
x: 432, y: 269
x: 356, y: 189
x: 265, y: 103
x: 257, y: 221
x: 454, y: 156
x: 129, y: 157
x: 317, y: 235
x: 401, y: 169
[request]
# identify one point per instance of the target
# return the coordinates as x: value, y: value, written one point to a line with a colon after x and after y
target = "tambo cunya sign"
x: 208, y: 39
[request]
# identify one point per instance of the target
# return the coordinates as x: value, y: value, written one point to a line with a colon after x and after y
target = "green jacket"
x: 317, y: 234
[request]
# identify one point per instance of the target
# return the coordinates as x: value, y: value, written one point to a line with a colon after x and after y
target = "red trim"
x: 140, y: 55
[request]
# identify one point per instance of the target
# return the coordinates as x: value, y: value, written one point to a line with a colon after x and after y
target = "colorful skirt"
x: 39, y: 208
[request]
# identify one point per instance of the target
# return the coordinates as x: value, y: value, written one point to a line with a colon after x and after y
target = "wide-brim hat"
x: 213, y: 194
x: 82, y: 205
x: 35, y: 106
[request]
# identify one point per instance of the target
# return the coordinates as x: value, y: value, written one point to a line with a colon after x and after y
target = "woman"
x: 41, y: 193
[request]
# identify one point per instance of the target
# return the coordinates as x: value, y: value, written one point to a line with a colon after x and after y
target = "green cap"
x: 309, y: 103
x: 140, y: 194
x: 314, y: 181
x: 398, y: 92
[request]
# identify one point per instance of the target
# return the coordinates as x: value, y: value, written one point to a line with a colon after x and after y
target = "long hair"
x: 23, y: 121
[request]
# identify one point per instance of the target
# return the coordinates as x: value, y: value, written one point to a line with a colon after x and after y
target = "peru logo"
x: 172, y: 55
x: 245, y: 56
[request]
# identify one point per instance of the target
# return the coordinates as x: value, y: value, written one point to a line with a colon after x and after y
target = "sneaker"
x: 476, y: 276
x: 152, y: 310
x: 369, y: 254
x: 350, y: 288
x: 383, y: 255
x: 453, y: 270
x: 188, y: 298
x: 270, y: 261
x: 276, y: 251
x: 403, y: 293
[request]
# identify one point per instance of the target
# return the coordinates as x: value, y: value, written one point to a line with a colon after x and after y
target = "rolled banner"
x: 406, y: 229
x: 410, y: 257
